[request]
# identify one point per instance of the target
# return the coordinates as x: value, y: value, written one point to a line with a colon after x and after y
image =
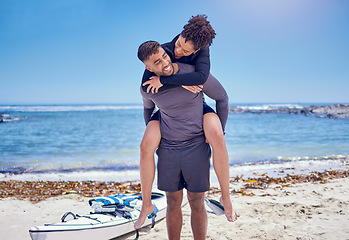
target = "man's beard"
x: 166, y: 74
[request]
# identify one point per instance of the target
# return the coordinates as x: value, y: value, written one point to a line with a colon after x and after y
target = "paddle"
x: 216, y: 207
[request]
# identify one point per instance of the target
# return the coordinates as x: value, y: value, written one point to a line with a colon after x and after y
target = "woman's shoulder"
x: 202, y: 54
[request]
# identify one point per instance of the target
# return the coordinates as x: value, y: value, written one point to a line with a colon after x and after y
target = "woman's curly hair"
x: 199, y: 31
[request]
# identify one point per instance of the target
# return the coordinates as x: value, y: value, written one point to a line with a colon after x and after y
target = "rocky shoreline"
x: 329, y: 111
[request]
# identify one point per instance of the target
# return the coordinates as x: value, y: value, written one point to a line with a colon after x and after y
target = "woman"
x: 192, y: 47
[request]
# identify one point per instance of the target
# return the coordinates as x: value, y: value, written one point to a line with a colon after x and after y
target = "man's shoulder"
x: 143, y: 91
x: 165, y: 88
x: 185, y: 68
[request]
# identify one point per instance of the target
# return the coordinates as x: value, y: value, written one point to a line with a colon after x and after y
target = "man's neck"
x: 175, y: 68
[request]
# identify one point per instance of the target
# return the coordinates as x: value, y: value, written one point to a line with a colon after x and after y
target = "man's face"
x: 160, y: 63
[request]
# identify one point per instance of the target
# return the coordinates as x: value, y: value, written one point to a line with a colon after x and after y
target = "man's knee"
x: 196, y: 201
x: 174, y: 199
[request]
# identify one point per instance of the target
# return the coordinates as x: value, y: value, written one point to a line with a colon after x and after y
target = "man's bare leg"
x: 215, y: 137
x: 174, y: 218
x: 149, y: 144
x: 198, y: 215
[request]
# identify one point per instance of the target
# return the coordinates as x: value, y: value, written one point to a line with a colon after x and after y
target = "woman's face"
x: 183, y: 48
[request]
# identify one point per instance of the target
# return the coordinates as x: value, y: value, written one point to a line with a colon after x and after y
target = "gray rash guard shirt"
x: 181, y: 111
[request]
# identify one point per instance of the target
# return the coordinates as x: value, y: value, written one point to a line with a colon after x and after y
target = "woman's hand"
x: 193, y: 89
x: 154, y: 84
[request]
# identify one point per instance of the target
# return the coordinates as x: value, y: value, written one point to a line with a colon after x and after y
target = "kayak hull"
x: 94, y: 231
x: 97, y: 225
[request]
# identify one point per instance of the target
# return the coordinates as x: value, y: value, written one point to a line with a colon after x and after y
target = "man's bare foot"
x: 145, y: 212
x: 228, y: 209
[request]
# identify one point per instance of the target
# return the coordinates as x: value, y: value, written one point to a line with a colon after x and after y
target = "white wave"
x: 270, y: 106
x: 67, y: 108
x: 104, y: 176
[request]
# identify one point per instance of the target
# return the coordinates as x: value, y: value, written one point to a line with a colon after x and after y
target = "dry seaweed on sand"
x: 36, y: 191
x: 263, y: 182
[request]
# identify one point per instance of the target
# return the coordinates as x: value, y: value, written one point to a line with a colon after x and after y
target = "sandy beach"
x: 309, y: 206
x: 303, y: 211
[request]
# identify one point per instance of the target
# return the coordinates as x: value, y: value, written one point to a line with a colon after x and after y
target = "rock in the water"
x: 330, y: 111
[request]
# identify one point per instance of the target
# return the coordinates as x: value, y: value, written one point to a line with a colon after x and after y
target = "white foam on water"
x: 102, y: 176
x: 68, y: 108
x: 270, y: 106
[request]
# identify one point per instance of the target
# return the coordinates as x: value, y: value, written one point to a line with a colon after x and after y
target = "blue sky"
x: 84, y: 51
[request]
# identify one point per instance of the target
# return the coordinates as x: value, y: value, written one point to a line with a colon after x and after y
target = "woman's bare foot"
x: 228, y: 209
x: 145, y: 212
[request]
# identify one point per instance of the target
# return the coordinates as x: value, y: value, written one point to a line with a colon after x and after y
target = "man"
x: 183, y: 154
x: 191, y: 46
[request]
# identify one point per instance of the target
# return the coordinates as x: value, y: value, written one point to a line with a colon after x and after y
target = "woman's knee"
x: 213, y: 128
x: 147, y: 146
x: 151, y: 138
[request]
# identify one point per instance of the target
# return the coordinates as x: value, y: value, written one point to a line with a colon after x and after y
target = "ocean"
x: 96, y: 141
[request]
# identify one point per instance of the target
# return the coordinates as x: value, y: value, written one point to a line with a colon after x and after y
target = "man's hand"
x: 193, y: 89
x: 154, y: 84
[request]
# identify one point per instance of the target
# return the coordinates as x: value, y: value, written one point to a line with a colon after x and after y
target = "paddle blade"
x: 216, y: 207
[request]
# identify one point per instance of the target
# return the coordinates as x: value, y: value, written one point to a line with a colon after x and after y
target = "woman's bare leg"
x: 215, y: 137
x: 149, y: 144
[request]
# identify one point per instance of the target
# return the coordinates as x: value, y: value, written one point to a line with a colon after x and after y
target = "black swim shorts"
x: 184, y: 168
x: 207, y: 109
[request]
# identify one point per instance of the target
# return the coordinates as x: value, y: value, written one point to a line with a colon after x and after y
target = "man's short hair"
x: 199, y: 31
x: 147, y: 49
